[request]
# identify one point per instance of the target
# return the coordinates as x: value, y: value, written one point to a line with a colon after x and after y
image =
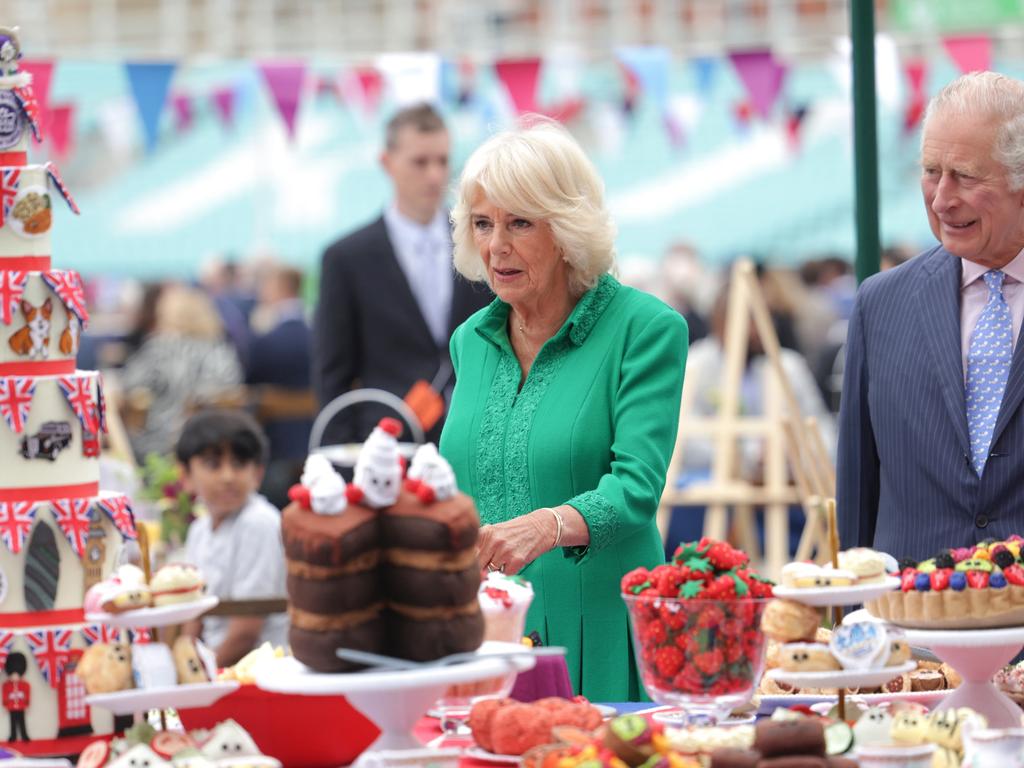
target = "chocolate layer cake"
x: 430, y: 577
x: 334, y: 592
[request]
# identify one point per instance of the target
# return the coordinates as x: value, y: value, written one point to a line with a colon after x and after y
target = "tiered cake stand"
x: 395, y: 700
x: 183, y: 696
x: 977, y: 654
x: 844, y: 679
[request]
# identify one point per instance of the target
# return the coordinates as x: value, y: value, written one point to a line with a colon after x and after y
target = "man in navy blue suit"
x: 931, y: 435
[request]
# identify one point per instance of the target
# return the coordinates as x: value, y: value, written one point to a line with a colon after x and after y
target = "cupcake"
x: 176, y: 583
x: 504, y: 601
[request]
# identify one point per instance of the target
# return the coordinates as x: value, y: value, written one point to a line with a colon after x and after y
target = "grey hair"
x: 989, y: 94
x: 538, y: 171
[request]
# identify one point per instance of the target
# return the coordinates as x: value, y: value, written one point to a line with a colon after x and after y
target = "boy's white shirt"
x: 242, y: 559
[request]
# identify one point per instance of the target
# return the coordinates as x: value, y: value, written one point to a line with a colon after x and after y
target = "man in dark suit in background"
x: 931, y: 435
x: 389, y: 297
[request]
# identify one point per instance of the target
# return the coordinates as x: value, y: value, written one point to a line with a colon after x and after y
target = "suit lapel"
x: 938, y: 316
x: 404, y: 296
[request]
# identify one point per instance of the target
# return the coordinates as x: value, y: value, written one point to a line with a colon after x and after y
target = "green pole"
x: 865, y: 140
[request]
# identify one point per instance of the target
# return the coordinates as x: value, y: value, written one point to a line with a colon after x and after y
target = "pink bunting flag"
x: 42, y: 77
x: 183, y: 113
x: 371, y: 84
x: 285, y: 79
x: 520, y: 77
x: 61, y: 119
x: 971, y: 53
x: 762, y: 76
x: 224, y: 105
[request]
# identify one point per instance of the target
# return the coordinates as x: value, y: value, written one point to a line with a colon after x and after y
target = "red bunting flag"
x: 971, y: 53
x: 371, y: 85
x: 42, y: 77
x: 62, y: 118
x: 520, y: 77
x: 915, y: 70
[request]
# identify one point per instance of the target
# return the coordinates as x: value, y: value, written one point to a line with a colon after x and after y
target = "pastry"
x: 867, y: 564
x: 517, y: 727
x: 105, y: 668
x: 788, y: 621
x: 811, y: 576
x: 873, y: 727
x: 730, y: 757
x: 794, y: 761
x: 140, y: 756
x: 909, y: 725
x: 480, y: 717
x: 807, y: 657
x: 926, y: 680
x: 176, y: 583
x: 188, y: 653
x: 899, y: 649
x: 229, y: 740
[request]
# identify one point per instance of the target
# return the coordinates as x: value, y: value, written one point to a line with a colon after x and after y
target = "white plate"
x: 479, y: 753
x: 930, y: 699
x: 840, y: 678
x: 164, y: 616
x: 824, y: 596
x: 177, y: 696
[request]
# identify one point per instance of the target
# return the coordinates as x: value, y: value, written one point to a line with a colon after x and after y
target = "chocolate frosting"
x: 328, y: 539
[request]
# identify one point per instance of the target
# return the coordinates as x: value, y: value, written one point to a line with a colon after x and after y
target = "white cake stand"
x: 977, y: 654
x: 394, y: 700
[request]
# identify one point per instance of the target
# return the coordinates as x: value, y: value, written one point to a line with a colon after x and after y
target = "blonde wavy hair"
x: 185, y: 311
x: 539, y: 172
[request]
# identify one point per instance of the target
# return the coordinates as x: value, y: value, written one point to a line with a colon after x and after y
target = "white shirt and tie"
x: 424, y: 253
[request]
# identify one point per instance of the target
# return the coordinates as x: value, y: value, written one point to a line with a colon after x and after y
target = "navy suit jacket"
x: 905, y: 480
x: 282, y: 357
x: 369, y: 330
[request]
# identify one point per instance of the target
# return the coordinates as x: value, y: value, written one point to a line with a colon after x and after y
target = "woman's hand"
x: 512, y: 545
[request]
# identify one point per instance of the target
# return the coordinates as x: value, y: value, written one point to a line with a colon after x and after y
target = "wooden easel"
x: 791, y: 443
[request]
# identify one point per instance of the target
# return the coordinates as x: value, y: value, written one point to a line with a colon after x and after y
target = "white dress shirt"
x: 974, y: 296
x: 425, y: 255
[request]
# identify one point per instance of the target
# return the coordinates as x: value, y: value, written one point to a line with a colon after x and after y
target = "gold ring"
x: 492, y: 569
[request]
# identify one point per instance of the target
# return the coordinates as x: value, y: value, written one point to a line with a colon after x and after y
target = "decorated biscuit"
x: 863, y: 645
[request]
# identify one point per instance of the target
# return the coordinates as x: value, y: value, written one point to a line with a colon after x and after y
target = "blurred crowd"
x: 238, y: 337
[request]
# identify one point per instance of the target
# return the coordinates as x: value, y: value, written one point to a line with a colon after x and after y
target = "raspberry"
x: 668, y: 661
x: 634, y: 578
x: 709, y: 662
x: 724, y: 557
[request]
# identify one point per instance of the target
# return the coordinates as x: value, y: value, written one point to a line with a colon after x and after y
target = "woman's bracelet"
x: 561, y: 524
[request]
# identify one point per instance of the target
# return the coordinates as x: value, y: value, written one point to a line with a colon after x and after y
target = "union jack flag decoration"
x: 67, y: 284
x: 52, y: 649
x: 15, y: 400
x: 101, y: 633
x: 140, y: 636
x: 73, y: 516
x: 6, y: 640
x: 16, y: 519
x: 8, y: 191
x: 12, y: 288
x: 27, y: 101
x: 62, y: 188
x: 120, y: 514
x: 78, y: 392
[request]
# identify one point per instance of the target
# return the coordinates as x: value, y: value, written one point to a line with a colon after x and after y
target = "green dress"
x: 593, y: 426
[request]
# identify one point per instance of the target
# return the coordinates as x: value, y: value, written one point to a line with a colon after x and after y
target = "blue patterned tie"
x: 988, y: 366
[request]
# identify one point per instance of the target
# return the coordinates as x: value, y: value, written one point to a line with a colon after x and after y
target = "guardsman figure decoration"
x: 16, y: 694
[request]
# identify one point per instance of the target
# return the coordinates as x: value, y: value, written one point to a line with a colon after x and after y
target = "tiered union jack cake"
x: 58, y: 533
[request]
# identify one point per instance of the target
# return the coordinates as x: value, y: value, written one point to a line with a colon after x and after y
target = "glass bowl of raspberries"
x: 696, y: 629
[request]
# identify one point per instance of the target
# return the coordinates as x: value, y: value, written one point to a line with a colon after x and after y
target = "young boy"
x: 237, y: 546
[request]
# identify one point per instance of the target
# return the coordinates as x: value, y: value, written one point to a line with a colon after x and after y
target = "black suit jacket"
x: 369, y: 330
x: 282, y: 357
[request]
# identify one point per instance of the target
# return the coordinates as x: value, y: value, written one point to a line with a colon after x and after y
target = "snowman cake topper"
x: 430, y: 477
x: 377, y: 479
x: 321, y: 489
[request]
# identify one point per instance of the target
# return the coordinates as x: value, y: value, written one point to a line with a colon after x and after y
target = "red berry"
x: 668, y: 661
x: 724, y: 557
x: 666, y: 580
x: 635, y: 578
x: 1014, y: 575
x: 655, y: 633
x: 907, y: 580
x: 940, y: 578
x: 977, y: 579
x: 709, y: 662
x: 688, y: 681
x: 673, y: 619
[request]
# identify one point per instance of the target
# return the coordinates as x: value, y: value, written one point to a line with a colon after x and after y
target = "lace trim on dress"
x: 601, y: 518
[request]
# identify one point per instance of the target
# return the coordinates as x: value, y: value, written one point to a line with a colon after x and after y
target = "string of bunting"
x: 67, y: 284
x: 72, y: 516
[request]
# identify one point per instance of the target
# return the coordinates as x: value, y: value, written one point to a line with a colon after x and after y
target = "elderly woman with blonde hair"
x: 565, y: 408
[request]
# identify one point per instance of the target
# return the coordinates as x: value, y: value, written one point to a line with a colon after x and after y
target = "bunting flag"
x: 520, y: 77
x: 100, y: 633
x: 52, y: 650
x: 371, y: 85
x: 16, y: 399
x: 16, y: 519
x: 794, y: 124
x: 120, y: 514
x: 762, y: 77
x: 77, y: 390
x: 9, y: 180
x: 705, y: 68
x: 971, y: 53
x: 650, y: 65
x: 30, y: 108
x: 285, y: 79
x: 42, y: 77
x: 12, y: 288
x: 149, y: 83
x: 55, y: 177
x: 67, y: 284
x: 183, y: 112
x: 73, y: 516
x: 915, y: 70
x: 224, y: 105
x: 62, y: 117
x: 140, y: 636
x: 6, y: 641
